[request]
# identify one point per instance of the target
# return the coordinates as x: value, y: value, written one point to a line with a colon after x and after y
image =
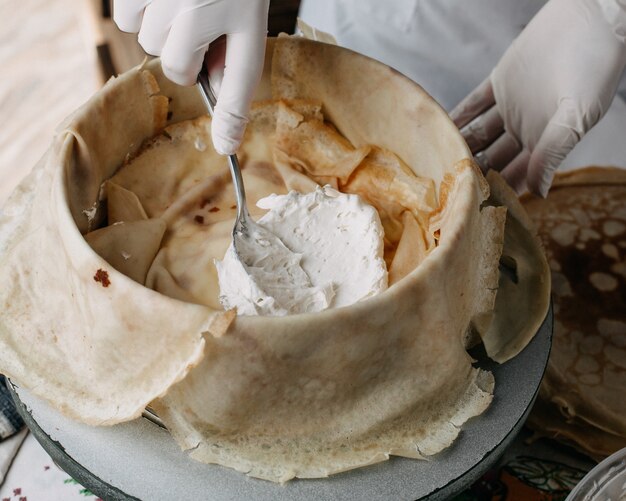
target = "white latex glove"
x: 180, y: 31
x: 554, y: 82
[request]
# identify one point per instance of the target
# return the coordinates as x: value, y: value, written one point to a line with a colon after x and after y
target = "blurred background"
x: 54, y: 55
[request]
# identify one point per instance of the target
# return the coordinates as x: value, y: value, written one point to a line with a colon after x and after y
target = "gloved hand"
x: 554, y: 82
x: 180, y: 31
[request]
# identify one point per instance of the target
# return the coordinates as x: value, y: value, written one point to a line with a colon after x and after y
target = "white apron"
x: 449, y: 47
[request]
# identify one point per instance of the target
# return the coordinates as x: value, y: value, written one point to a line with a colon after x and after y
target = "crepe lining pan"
x: 140, y: 460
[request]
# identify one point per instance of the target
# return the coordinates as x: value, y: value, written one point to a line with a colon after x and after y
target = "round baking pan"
x: 140, y: 460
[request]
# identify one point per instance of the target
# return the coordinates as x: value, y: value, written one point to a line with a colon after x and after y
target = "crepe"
x: 276, y: 397
x: 94, y: 343
x: 524, y: 281
x: 582, y: 224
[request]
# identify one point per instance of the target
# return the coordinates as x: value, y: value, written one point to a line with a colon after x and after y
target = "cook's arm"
x: 552, y: 85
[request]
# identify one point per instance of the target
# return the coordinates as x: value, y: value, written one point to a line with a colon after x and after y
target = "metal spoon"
x: 243, y: 221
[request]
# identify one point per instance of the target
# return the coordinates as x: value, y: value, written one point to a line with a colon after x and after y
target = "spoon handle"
x: 235, y: 171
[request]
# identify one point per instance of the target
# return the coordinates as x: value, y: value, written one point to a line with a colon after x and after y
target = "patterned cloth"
x: 10, y: 420
x: 33, y: 476
x: 530, y: 470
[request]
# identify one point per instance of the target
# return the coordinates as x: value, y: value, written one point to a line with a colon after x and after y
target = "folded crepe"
x: 276, y: 397
x: 582, y: 224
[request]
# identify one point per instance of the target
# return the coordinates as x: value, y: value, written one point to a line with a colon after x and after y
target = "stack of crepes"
x: 288, y: 147
x: 101, y: 335
x: 582, y: 224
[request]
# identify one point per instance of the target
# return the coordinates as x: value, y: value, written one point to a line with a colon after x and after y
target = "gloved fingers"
x: 483, y: 130
x: 244, y: 59
x: 183, y: 54
x: 215, y: 61
x: 156, y: 24
x: 475, y: 103
x: 516, y: 171
x: 556, y: 141
x: 499, y: 154
x: 245, y: 54
x: 128, y: 14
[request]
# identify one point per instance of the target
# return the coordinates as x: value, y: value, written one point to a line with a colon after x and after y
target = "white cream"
x: 263, y: 277
x: 321, y: 250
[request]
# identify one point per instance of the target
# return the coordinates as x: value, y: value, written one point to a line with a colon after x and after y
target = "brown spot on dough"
x: 102, y: 276
x: 214, y: 209
x: 199, y: 219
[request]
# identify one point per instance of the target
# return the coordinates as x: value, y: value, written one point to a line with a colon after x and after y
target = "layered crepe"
x: 582, y: 224
x: 303, y: 395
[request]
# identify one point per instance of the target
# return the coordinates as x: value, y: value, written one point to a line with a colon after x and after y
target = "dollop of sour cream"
x: 309, y: 252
